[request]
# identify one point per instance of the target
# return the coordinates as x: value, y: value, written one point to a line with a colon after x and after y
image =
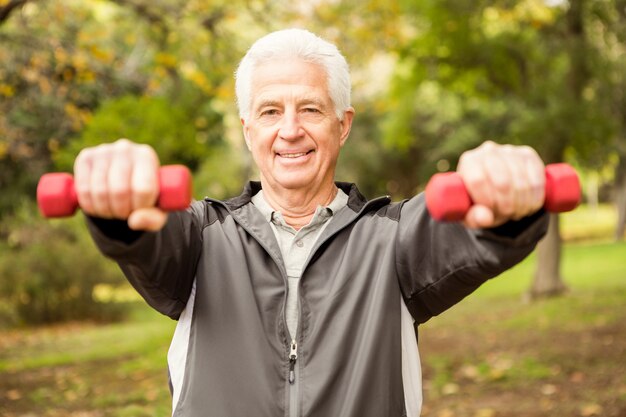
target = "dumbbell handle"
x: 447, y: 198
x: 56, y: 195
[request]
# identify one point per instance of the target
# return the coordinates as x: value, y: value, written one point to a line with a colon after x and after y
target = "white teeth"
x: 293, y: 155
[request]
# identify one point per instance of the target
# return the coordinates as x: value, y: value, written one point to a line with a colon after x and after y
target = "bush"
x: 49, y: 269
x: 178, y: 133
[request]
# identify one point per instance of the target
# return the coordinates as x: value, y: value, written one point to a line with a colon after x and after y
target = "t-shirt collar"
x: 340, y: 201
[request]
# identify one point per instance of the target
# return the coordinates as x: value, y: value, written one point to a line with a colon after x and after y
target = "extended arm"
x: 117, y: 187
x: 441, y: 263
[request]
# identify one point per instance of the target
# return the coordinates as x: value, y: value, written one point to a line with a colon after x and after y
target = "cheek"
x: 262, y: 153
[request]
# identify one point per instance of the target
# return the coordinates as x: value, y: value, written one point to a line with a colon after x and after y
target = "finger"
x: 119, y: 179
x: 476, y: 180
x: 82, y: 180
x: 536, y: 174
x: 502, y: 177
x: 520, y: 197
x: 144, y: 179
x: 528, y: 179
x: 147, y: 219
x: 99, y: 183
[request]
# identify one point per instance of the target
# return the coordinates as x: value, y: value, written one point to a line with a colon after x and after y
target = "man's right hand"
x: 120, y: 181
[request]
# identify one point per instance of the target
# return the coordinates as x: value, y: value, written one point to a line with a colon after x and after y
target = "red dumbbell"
x: 448, y: 200
x: 56, y: 195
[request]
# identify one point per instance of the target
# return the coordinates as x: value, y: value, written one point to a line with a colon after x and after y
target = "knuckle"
x: 508, y: 149
x: 123, y: 142
x: 488, y: 144
x: 84, y: 157
x: 527, y: 150
x: 102, y: 149
x: 100, y: 193
x: 144, y: 192
x: 82, y: 188
x: 119, y: 191
x: 502, y: 185
x: 146, y: 151
x: 122, y: 145
x: 474, y: 181
x: 466, y: 160
x: 537, y: 186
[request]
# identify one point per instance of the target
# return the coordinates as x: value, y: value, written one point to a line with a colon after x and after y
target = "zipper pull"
x: 293, y: 356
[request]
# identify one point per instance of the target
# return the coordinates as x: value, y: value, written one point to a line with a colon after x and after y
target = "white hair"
x: 301, y: 44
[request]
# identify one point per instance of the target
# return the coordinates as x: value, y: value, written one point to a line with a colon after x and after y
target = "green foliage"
x: 177, y: 135
x: 54, y: 70
x: 518, y: 72
x: 223, y: 172
x: 48, y: 272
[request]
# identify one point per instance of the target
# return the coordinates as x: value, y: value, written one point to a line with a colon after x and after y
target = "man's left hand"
x: 505, y: 182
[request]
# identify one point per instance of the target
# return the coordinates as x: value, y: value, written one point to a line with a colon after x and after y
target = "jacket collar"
x: 356, y: 200
x: 254, y: 223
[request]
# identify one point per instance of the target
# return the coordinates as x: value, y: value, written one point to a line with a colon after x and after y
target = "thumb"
x: 147, y: 219
x: 479, y: 217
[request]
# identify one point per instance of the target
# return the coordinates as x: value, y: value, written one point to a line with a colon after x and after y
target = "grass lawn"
x: 496, y: 355
x: 492, y: 355
x: 82, y: 369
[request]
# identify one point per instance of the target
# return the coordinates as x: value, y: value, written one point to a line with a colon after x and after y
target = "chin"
x: 294, y: 185
x: 291, y: 182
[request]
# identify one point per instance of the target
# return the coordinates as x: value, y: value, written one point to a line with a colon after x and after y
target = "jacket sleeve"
x: 161, y: 266
x: 439, y: 264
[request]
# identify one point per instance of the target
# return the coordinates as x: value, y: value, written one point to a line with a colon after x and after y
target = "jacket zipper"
x: 293, y: 379
x: 293, y: 357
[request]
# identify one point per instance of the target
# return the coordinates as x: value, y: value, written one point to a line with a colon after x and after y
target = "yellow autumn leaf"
x: 485, y: 412
x: 589, y: 410
x: 100, y: 54
x: 7, y: 90
x: 4, y: 149
x: 165, y: 59
x: 446, y: 412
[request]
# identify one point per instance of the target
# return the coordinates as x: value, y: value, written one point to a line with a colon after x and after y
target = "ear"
x: 246, y: 134
x: 346, y: 125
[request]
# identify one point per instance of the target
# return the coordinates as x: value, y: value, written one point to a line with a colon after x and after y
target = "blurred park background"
x: 431, y: 78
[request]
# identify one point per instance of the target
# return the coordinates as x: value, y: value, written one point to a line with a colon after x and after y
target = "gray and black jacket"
x: 377, y: 268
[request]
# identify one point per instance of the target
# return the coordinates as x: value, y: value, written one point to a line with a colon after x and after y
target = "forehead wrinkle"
x: 268, y: 102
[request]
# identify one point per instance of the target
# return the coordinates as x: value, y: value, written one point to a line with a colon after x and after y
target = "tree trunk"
x: 547, y: 281
x: 620, y: 198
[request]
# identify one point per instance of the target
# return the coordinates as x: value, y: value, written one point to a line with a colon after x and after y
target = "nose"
x: 290, y: 127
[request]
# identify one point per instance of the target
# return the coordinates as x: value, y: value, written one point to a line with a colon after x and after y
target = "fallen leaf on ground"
x: 589, y: 410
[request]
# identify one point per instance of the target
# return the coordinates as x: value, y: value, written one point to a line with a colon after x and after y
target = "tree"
x: 610, y: 36
x: 514, y: 72
x: 78, y: 73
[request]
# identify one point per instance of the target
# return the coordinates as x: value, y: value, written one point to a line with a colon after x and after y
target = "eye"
x: 311, y: 110
x: 269, y: 112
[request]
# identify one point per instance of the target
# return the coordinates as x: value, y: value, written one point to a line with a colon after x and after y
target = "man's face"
x: 293, y: 131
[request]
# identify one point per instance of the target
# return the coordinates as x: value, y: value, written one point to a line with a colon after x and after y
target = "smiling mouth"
x: 294, y: 155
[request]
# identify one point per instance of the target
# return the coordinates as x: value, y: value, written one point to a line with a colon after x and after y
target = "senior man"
x: 299, y: 297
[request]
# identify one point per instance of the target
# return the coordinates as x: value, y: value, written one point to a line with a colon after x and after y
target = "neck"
x: 298, y: 206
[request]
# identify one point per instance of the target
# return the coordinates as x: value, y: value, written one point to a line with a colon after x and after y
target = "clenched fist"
x: 120, y: 181
x: 505, y: 182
